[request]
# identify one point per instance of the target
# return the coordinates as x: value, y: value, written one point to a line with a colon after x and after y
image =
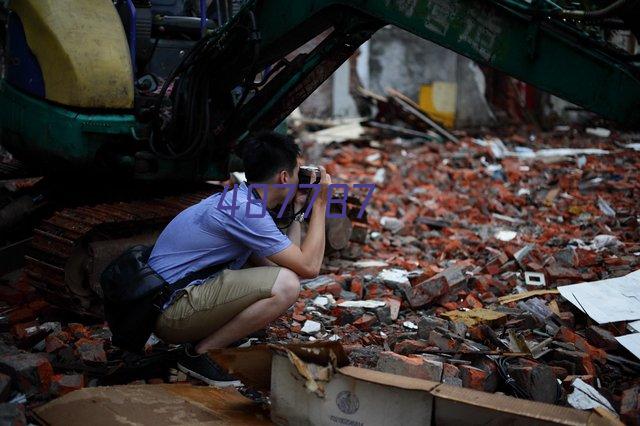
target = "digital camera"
x: 309, y: 175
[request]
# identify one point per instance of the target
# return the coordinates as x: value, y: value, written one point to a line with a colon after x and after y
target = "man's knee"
x: 287, y: 286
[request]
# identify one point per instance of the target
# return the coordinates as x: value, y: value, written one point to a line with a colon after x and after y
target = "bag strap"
x: 197, y: 275
x: 167, y: 290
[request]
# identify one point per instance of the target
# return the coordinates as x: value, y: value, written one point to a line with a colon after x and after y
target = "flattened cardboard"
x: 461, y: 406
x: 158, y: 405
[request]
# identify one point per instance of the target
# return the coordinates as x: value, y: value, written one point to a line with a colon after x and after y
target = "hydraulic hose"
x: 592, y: 14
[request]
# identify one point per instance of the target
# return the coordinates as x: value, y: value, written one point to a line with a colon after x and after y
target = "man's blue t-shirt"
x: 204, y: 234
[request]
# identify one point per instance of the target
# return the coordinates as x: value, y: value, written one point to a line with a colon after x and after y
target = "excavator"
x: 129, y: 105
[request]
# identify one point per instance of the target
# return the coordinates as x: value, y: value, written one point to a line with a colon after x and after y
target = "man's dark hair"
x: 266, y: 153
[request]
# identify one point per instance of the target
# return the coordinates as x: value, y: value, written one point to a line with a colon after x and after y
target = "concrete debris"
x: 311, y: 327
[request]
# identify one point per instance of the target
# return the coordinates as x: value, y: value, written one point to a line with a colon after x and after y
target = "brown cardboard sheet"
x: 157, y: 405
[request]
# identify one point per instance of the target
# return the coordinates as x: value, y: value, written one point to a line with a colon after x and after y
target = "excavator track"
x: 70, y: 249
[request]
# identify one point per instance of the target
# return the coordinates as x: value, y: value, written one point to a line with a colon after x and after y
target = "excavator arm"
x: 509, y: 36
x: 250, y: 70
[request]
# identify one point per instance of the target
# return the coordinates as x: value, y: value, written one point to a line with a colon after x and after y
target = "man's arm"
x: 293, y: 233
x: 306, y: 259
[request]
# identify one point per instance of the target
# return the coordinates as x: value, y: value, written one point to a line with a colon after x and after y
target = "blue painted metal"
x: 203, y: 16
x: 132, y: 33
x: 23, y: 69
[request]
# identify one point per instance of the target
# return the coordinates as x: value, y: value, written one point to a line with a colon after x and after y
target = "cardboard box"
x: 313, y: 385
x: 353, y: 397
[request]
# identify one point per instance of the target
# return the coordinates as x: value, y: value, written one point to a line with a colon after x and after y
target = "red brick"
x: 62, y: 384
x: 472, y: 377
x: 586, y: 258
x: 31, y: 373
x: 568, y: 318
x: 427, y: 291
x: 451, y: 375
x: 601, y: 338
x: 346, y: 316
x: 78, y: 331
x: 407, y: 347
x: 357, y: 287
x: 365, y: 322
x: 567, y: 335
x: 91, y: 351
x: 410, y: 366
x: 334, y: 288
x: 376, y: 291
x: 472, y: 301
x: 53, y: 343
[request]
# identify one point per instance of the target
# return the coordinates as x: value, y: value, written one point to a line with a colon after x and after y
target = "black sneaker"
x: 202, y: 367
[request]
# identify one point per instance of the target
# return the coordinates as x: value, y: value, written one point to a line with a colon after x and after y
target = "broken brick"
x: 451, y: 375
x: 601, y: 338
x: 428, y: 324
x: 62, y: 384
x: 383, y: 313
x: 407, y: 347
x: 12, y: 415
x: 377, y: 291
x: 410, y: 366
x: 538, y: 381
x: 443, y: 342
x: 365, y: 322
x: 427, y: 291
x: 357, y: 287
x: 91, y: 351
x: 567, y: 335
x: 473, y: 302
x: 473, y: 378
x: 345, y: 315
x: 78, y: 331
x: 30, y: 372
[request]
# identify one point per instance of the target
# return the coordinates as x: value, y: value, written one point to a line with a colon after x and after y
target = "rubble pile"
x: 454, y: 275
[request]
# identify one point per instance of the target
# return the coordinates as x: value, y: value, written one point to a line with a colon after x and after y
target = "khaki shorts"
x: 200, y: 310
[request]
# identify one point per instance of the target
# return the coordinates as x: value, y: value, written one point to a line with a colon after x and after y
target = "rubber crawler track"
x: 56, y: 240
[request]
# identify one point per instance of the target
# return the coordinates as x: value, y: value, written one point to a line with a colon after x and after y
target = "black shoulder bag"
x: 134, y: 295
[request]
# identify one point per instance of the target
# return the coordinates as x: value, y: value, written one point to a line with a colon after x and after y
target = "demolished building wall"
x: 405, y: 62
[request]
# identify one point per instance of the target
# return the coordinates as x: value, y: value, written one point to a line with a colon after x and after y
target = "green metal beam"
x: 543, y: 53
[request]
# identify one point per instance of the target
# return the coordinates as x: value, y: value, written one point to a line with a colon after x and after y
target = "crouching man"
x: 217, y: 311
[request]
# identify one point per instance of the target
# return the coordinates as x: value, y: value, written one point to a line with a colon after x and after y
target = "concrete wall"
x: 395, y: 58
